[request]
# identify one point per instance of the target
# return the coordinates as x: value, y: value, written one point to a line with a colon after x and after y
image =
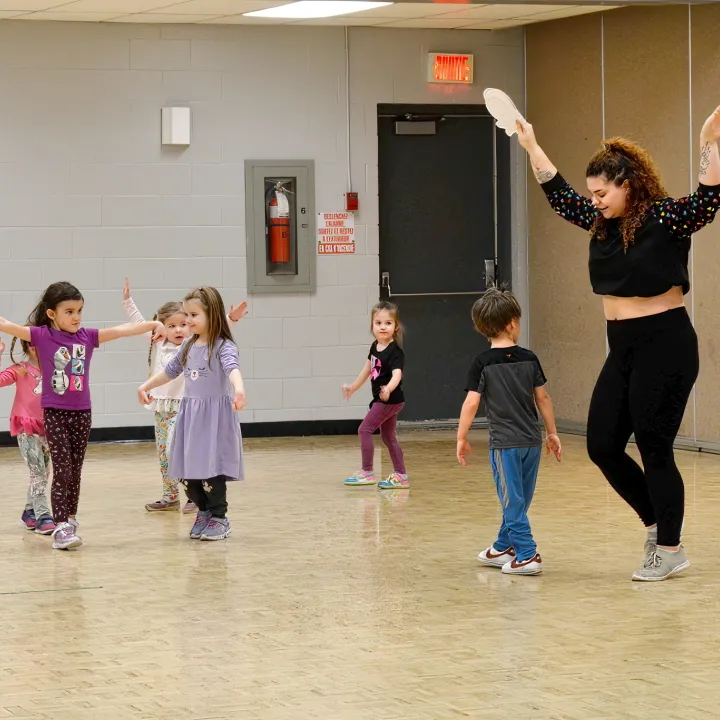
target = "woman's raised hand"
x: 526, y: 134
x: 711, y: 128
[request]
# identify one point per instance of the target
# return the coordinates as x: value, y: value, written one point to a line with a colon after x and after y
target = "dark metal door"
x: 440, y: 232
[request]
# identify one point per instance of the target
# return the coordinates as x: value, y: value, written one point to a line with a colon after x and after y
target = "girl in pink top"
x: 27, y: 425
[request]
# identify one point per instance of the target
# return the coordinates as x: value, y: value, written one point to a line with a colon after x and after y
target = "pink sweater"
x: 26, y: 415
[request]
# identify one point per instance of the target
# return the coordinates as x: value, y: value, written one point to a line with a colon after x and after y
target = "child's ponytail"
x: 150, y: 351
x: 24, y: 344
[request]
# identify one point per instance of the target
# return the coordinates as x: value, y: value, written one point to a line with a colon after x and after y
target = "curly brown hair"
x: 621, y: 161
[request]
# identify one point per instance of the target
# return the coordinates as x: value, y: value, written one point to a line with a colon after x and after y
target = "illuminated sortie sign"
x: 450, y: 68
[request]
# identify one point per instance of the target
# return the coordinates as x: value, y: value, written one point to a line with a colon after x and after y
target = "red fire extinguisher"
x: 279, y: 226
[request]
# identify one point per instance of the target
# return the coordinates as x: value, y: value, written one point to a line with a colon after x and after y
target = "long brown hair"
x: 217, y: 324
x: 394, y: 312
x: 166, y: 311
x: 621, y: 161
x: 54, y: 294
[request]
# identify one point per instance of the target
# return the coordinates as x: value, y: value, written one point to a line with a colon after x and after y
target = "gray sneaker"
x: 64, y: 537
x: 651, y: 542
x: 201, y: 522
x: 661, y: 565
x: 217, y: 529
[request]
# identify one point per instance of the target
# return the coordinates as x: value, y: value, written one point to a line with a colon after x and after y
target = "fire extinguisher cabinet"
x: 280, y: 223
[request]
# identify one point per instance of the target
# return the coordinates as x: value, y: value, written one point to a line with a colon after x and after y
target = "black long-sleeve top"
x: 657, y: 260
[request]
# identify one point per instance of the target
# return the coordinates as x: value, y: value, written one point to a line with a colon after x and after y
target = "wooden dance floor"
x: 352, y: 604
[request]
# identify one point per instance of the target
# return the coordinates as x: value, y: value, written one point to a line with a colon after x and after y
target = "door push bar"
x: 490, y: 269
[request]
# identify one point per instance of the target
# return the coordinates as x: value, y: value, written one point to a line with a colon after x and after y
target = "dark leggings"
x: 209, y: 495
x: 643, y: 388
x: 68, y: 432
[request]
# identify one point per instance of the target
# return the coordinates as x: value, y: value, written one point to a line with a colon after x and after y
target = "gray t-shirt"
x: 507, y: 378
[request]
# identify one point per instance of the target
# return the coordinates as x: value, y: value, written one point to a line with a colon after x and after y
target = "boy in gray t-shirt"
x: 513, y: 384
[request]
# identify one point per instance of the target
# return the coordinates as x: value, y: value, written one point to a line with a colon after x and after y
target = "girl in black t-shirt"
x: 384, y: 367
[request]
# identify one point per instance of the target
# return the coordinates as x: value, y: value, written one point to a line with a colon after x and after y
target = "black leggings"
x: 643, y: 388
x: 209, y: 495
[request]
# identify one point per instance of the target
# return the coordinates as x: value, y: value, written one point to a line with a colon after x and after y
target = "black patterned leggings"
x: 68, y: 432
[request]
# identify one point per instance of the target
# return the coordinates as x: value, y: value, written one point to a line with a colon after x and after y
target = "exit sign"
x: 450, y: 68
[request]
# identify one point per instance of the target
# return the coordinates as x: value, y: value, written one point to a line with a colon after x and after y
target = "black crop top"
x: 657, y: 260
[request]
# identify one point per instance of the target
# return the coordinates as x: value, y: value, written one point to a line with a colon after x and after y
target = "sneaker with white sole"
x: 533, y: 566
x: 361, y: 478
x: 496, y: 558
x: 202, y: 519
x: 396, y: 481
x: 662, y: 564
x: 64, y: 537
x: 216, y: 529
x: 651, y: 542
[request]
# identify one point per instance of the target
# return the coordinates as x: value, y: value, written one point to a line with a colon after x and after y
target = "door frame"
x: 511, y: 197
x: 510, y: 209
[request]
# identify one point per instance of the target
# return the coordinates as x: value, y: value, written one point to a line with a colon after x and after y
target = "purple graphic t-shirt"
x: 65, y: 364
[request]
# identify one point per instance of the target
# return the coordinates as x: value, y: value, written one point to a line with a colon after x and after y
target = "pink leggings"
x: 384, y: 417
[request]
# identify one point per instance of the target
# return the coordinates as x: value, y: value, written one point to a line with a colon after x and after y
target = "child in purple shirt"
x: 65, y: 350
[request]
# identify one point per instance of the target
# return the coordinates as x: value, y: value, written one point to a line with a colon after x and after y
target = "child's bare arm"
x: 467, y: 415
x: 360, y: 380
x: 545, y: 408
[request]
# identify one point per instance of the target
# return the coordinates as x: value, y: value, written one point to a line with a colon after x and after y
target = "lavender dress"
x: 207, y: 440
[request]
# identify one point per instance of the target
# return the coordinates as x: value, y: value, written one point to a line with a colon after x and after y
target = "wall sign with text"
x: 336, y: 233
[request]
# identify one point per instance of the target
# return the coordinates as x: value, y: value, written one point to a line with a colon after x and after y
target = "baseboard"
x: 297, y: 428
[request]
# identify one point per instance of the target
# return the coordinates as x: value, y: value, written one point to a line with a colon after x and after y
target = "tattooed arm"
x: 709, y: 157
x: 568, y: 204
x: 543, y: 169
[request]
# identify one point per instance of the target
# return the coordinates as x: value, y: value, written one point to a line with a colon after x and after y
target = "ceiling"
x: 402, y: 14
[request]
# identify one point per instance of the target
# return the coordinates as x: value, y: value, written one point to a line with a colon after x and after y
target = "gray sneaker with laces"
x: 64, y: 537
x: 650, y: 544
x: 217, y: 529
x: 201, y: 522
x: 661, y: 565
x: 651, y: 541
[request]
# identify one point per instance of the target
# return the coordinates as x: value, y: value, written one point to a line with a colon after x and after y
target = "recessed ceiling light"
x: 316, y: 9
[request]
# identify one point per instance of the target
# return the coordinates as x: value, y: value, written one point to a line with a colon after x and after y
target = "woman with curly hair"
x: 639, y: 247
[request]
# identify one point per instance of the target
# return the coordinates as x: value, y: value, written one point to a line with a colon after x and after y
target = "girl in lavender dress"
x: 207, y: 448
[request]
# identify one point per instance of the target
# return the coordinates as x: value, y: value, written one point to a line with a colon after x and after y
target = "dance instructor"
x: 639, y: 246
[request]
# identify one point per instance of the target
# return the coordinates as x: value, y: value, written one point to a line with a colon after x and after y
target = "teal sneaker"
x: 361, y: 478
x: 396, y: 481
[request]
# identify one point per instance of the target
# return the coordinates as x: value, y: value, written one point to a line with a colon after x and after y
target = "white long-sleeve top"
x: 167, y: 397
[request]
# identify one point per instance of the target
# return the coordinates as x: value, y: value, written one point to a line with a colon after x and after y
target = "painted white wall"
x: 88, y: 195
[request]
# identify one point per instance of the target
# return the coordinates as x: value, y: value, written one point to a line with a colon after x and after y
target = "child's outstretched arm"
x: 467, y: 415
x: 19, y: 331
x: 360, y: 380
x: 237, y: 312
x: 156, y: 380
x: 9, y: 376
x: 133, y: 328
x: 545, y: 407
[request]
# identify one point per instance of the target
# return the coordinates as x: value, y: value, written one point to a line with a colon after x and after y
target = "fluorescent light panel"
x: 306, y: 9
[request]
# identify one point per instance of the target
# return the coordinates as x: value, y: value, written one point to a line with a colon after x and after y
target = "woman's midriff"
x: 622, y: 308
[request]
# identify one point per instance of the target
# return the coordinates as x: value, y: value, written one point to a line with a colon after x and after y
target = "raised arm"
x: 709, y: 173
x: 567, y: 203
x: 687, y: 215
